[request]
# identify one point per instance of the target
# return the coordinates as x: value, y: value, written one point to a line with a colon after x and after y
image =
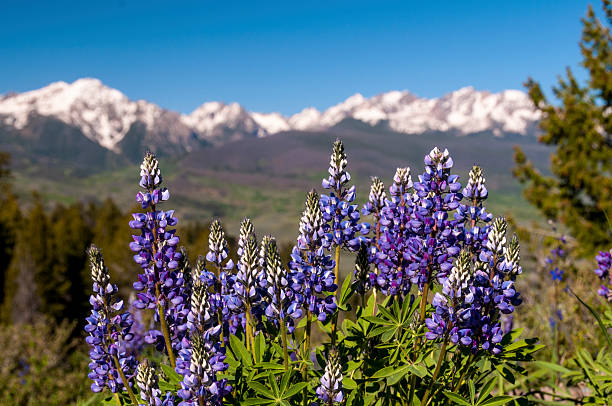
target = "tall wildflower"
x: 477, y: 294
x: 159, y: 285
x: 337, y: 208
x: 395, y: 232
x: 227, y: 303
x: 281, y: 306
x: 473, y: 214
x: 107, y: 326
x: 248, y: 283
x: 201, y: 356
x: 312, y: 273
x: 436, y: 242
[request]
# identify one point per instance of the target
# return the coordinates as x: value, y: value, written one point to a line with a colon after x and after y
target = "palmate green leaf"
x: 378, y: 320
x: 240, y: 351
x: 457, y: 398
x: 349, y: 383
x: 552, y: 367
x: 295, y: 389
x: 261, y: 389
x: 260, y: 347
x: 486, y: 389
x: 257, y: 402
x: 346, y: 292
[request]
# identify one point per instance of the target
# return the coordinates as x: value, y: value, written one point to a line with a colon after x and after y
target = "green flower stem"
x: 164, y: 326
x: 250, y: 341
x: 285, y: 351
x: 307, y: 354
x: 124, y: 380
x: 441, y: 358
x: 457, y: 386
x: 417, y: 342
x: 283, y: 329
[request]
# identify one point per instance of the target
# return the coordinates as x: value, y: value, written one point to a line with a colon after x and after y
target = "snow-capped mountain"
x: 107, y: 117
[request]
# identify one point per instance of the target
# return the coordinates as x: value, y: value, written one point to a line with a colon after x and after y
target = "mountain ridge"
x: 106, y: 116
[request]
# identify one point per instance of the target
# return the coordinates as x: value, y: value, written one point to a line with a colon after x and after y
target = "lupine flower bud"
x: 330, y: 390
x: 217, y: 246
x: 150, y: 174
x: 99, y: 272
x: 249, y: 270
x: 246, y: 229
x: 512, y: 257
x: 275, y: 273
x: 475, y: 188
x: 461, y: 272
x: 402, y: 182
x: 337, y: 168
x: 147, y: 382
x: 497, y: 236
x: 311, y: 222
x: 376, y: 198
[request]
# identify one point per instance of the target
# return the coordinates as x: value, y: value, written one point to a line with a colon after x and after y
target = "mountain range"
x: 90, y: 123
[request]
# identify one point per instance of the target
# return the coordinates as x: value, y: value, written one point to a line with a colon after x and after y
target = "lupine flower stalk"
x: 280, y: 305
x: 217, y: 255
x: 160, y: 284
x: 107, y: 327
x: 391, y: 257
x: 247, y: 283
x: 376, y: 201
x: 330, y: 389
x: 312, y: 269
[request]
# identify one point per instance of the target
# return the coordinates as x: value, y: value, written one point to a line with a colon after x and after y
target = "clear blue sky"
x: 283, y: 56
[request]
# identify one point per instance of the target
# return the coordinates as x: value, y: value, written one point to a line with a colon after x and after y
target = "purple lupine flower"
x: 160, y: 284
x: 604, y: 263
x: 394, y: 238
x: 330, y: 390
x: 107, y: 327
x: 226, y: 300
x: 200, y: 384
x: 281, y: 304
x: 312, y: 276
x: 337, y: 208
x: 474, y: 213
x: 437, y: 237
x: 478, y: 293
x: 148, y: 385
x: 138, y: 330
x: 449, y: 304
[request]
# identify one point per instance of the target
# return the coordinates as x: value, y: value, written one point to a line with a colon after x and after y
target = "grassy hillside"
x: 267, y: 179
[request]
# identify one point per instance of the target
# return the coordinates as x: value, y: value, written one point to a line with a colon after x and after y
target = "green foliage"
x: 579, y: 192
x: 42, y: 365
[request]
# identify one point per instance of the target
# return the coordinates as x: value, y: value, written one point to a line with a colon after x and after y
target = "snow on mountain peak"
x: 105, y: 115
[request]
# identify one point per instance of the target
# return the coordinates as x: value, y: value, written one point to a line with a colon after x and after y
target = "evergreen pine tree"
x: 579, y: 192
